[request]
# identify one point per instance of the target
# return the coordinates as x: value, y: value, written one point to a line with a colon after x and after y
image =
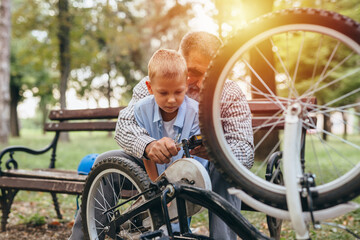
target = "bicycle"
x: 137, y: 207
x: 318, y: 34
x: 332, y: 82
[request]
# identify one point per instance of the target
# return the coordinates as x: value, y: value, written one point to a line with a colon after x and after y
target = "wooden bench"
x: 13, y: 179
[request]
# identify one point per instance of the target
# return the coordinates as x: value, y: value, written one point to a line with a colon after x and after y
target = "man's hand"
x: 162, y: 150
x: 200, y: 151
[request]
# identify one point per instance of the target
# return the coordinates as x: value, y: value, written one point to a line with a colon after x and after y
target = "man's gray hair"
x: 203, y: 42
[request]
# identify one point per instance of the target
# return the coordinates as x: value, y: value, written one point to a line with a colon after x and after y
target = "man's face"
x: 197, y: 65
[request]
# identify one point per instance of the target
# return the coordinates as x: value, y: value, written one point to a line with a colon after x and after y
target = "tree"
x: 33, y: 56
x: 122, y: 38
x: 232, y: 13
x: 64, y: 53
x: 119, y: 34
x: 64, y: 48
x: 5, y: 29
x: 257, y: 8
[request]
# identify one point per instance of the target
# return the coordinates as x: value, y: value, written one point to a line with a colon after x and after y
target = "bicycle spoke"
x: 333, y: 135
x: 266, y: 135
x: 317, y: 60
x: 283, y: 65
x: 327, y: 152
x: 321, y: 79
x: 268, y: 157
x: 113, y: 188
x: 341, y: 121
x: 322, y: 109
x: 297, y: 66
x: 329, y: 60
x: 120, y: 189
x: 103, y: 196
x: 316, y: 158
x: 270, y: 65
x: 104, y: 209
x: 262, y: 81
x: 329, y: 84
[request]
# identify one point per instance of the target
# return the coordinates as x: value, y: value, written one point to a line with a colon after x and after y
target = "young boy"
x: 167, y: 112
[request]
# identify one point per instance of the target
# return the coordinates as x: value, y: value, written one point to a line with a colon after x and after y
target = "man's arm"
x: 237, y: 124
x: 128, y: 134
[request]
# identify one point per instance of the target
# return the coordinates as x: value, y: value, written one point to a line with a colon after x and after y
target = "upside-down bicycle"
x: 314, y: 54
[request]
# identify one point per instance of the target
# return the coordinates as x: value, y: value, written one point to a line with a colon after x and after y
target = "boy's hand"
x: 162, y: 150
x: 199, y: 151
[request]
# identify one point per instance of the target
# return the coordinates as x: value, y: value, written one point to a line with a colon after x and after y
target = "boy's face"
x: 169, y: 93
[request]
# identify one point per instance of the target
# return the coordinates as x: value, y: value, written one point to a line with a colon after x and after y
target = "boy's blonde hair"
x: 167, y: 63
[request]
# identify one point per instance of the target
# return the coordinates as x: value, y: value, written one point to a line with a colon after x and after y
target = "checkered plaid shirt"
x: 235, y: 114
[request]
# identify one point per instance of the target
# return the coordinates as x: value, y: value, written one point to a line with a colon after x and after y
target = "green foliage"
x: 110, y: 44
x: 34, y: 220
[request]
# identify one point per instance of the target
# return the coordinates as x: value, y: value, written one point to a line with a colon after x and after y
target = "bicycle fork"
x: 292, y: 166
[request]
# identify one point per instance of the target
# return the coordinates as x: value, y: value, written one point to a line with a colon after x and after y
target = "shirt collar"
x: 180, y: 117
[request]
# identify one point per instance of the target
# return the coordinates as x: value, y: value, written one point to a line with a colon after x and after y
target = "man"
x: 197, y: 48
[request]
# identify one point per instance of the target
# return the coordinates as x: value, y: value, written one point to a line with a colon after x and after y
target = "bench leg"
x: 56, y: 205
x: 6, y: 200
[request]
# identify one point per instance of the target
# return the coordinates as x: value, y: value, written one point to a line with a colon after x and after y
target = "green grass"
x: 35, y: 207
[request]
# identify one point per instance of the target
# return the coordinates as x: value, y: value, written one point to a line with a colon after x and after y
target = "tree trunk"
x: 345, y: 125
x: 327, y: 126
x: 108, y: 96
x: 64, y: 53
x: 267, y: 74
x: 44, y: 114
x: 14, y: 120
x: 5, y: 30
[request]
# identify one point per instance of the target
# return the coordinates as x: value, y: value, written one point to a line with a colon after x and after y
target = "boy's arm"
x: 128, y: 134
x: 150, y: 166
x: 134, y: 139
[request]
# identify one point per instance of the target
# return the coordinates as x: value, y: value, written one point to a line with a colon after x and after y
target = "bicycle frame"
x: 183, y: 192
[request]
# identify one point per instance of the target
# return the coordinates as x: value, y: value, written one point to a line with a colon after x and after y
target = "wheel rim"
x: 132, y: 229
x: 343, y: 43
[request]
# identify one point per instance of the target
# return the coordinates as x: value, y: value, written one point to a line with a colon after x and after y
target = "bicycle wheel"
x: 109, y: 183
x: 305, y: 53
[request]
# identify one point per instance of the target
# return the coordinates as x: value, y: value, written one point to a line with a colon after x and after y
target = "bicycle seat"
x: 188, y: 171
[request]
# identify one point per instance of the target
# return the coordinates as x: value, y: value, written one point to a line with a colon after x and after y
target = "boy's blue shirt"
x: 148, y: 116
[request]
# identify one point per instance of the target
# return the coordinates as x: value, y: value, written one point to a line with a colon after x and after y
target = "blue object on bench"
x: 86, y: 163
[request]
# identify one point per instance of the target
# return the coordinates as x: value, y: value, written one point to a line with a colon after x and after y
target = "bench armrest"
x: 13, y: 149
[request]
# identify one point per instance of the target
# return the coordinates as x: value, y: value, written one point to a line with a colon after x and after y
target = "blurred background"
x: 79, y: 54
x: 90, y: 53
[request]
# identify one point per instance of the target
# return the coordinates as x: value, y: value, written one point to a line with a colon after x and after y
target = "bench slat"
x: 110, y: 126
x: 80, y: 126
x: 46, y: 174
x: 263, y: 106
x: 266, y: 107
x: 96, y: 113
x: 42, y: 185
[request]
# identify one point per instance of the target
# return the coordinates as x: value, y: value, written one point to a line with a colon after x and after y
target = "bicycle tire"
x: 329, y: 24
x: 123, y: 174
